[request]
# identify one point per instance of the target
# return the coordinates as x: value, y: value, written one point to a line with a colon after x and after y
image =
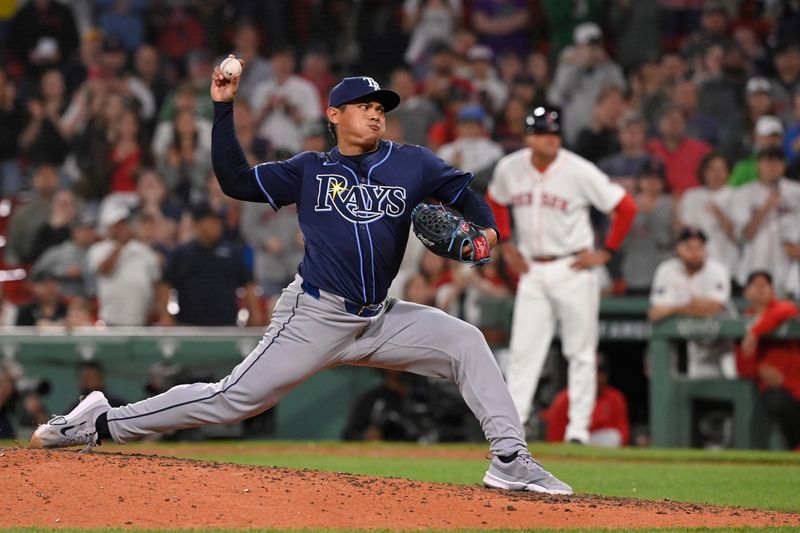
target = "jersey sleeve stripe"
x: 260, y: 186
x: 466, y: 184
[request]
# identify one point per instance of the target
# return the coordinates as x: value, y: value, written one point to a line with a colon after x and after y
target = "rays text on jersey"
x: 360, y: 203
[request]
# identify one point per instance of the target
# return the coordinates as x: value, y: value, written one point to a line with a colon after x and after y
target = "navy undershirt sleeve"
x: 475, y: 209
x: 236, y: 178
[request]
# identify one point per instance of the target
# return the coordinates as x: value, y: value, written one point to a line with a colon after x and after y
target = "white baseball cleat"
x: 73, y: 429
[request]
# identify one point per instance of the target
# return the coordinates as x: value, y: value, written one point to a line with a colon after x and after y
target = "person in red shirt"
x: 681, y: 154
x: 773, y: 364
x: 609, y: 426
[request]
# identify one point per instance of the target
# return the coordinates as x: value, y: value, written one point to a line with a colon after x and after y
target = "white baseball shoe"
x: 523, y: 473
x: 73, y: 429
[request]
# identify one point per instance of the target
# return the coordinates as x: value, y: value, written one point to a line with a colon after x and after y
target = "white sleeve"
x: 97, y: 254
x: 599, y: 190
x: 684, y: 210
x: 719, y: 288
x: 659, y: 291
x: 498, y: 187
x: 742, y: 208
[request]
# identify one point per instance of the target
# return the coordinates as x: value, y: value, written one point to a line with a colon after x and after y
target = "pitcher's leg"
x: 532, y: 329
x: 296, y: 346
x: 577, y: 306
x: 423, y: 340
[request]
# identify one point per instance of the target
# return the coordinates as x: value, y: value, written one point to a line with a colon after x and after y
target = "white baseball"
x: 230, y: 67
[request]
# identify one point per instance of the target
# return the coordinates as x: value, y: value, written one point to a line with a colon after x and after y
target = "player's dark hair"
x: 90, y: 365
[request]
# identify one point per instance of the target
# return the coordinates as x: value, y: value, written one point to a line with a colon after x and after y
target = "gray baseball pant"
x: 311, y: 332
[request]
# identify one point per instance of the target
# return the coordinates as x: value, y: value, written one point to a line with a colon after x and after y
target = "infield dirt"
x: 43, y: 488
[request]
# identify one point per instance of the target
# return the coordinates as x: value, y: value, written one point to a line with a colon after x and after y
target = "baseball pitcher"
x: 355, y: 209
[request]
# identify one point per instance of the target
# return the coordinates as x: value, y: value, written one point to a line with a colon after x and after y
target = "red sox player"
x: 546, y: 191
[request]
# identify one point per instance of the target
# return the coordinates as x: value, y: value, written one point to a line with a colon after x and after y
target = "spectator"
x: 259, y: 70
x: 47, y: 307
x: 599, y: 139
x: 127, y: 153
x: 563, y: 18
x: 791, y: 140
x: 26, y: 220
x: 714, y: 27
x: 115, y: 72
x: 317, y: 70
x: 187, y: 161
x: 649, y: 89
x: 740, y: 137
x: 7, y: 400
x: 315, y: 136
x: 276, y: 244
x: 637, y: 30
x: 583, y: 71
x: 91, y: 377
x: 123, y: 18
x: 79, y: 313
x: 492, y: 92
x: 623, y: 166
x: 472, y: 150
x: 206, y: 273
x: 416, y: 113
x: 650, y: 238
x: 609, y: 426
x: 510, y: 128
x: 44, y: 138
x: 428, y: 22
x: 126, y: 271
x: 42, y: 35
x: 502, y: 25
x: 768, y: 133
x: 681, y: 154
x: 698, y: 124
x: 691, y: 284
x: 709, y: 208
x: 63, y: 211
x: 284, y: 103
x: 765, y: 210
x: 773, y: 364
x: 68, y: 262
x: 148, y: 73
x: 786, y: 60
x: 12, y: 117
x: 185, y: 100
x: 180, y: 34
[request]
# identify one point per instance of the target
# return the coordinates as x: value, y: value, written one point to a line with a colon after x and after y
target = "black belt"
x: 354, y: 308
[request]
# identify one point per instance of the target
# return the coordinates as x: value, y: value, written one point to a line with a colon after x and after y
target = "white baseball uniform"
x: 550, y: 212
x: 673, y: 286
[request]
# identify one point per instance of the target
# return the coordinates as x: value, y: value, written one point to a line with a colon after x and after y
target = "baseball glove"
x: 448, y: 235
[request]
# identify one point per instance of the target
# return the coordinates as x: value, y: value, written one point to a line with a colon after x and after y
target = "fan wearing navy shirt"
x: 354, y: 206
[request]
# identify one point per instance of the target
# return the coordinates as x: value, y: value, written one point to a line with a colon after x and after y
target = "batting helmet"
x: 543, y: 120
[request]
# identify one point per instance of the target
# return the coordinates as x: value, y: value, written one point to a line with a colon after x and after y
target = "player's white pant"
x: 549, y: 293
x: 309, y: 334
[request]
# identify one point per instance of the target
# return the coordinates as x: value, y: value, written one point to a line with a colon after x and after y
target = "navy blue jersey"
x: 355, y: 212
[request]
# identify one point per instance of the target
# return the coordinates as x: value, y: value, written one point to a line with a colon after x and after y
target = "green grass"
x: 765, y: 480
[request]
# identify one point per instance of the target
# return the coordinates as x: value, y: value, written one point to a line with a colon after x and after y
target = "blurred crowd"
x: 110, y: 212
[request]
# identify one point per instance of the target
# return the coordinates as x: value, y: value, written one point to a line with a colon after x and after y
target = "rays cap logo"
x: 362, y: 88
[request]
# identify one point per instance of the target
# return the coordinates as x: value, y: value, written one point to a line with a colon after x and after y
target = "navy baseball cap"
x: 360, y: 87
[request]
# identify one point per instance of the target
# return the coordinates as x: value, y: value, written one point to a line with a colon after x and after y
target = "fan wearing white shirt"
x: 709, y: 208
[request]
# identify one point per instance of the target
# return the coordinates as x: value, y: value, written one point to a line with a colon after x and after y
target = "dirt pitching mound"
x: 67, y: 489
